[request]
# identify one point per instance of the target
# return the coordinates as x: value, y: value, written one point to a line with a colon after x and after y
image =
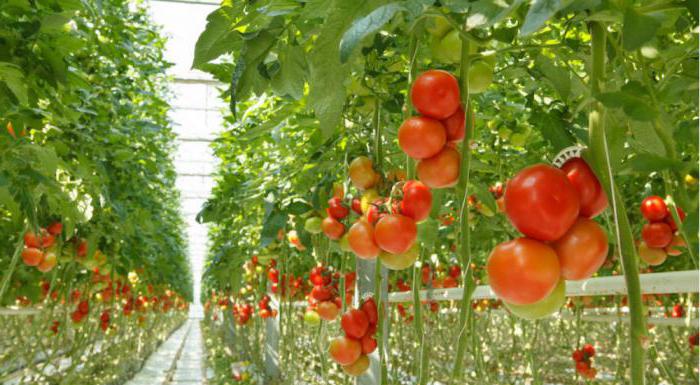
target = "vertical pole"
x: 271, y: 352
x: 365, y: 286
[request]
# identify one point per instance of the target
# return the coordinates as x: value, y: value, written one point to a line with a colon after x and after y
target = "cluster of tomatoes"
x: 360, y: 326
x: 81, y: 311
x: 104, y: 320
x: 35, y: 251
x: 242, y: 312
x: 660, y: 235
x: 584, y: 365
x: 324, y: 301
x: 280, y: 284
x: 553, y: 208
x: 430, y: 138
x: 264, y: 308
x: 677, y: 311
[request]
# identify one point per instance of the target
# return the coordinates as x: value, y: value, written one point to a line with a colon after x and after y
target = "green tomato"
x: 480, y: 76
x: 542, y: 308
x: 519, y: 139
x: 313, y: 225
x: 437, y: 26
x: 400, y: 261
x: 312, y: 318
x: 447, y: 49
x: 344, y: 243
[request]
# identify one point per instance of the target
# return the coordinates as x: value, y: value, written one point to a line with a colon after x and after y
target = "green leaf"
x: 218, y: 37
x: 366, y: 26
x: 559, y: 77
x: 290, y: 79
x: 485, y: 13
x: 551, y: 125
x: 14, y: 79
x: 633, y: 99
x: 540, y: 11
x: 647, y: 162
x: 273, y: 223
x: 637, y: 29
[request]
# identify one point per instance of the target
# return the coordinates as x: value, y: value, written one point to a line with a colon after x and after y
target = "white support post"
x: 365, y: 285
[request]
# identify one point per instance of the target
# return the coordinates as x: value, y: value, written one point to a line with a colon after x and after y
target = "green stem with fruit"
x: 465, y: 236
x: 625, y: 238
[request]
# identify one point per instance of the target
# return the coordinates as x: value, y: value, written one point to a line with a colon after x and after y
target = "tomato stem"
x: 13, y: 264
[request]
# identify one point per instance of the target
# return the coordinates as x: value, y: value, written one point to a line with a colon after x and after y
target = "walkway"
x: 178, y: 361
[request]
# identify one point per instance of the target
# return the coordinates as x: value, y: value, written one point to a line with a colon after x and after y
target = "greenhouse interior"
x: 336, y: 192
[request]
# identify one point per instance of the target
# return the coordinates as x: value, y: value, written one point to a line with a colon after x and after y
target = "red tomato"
x: 455, y: 271
x: 658, y: 235
x: 541, y: 202
x: 421, y: 137
x: 442, y: 170
x: 362, y: 174
x: 654, y: 208
x: 523, y: 271
x: 345, y: 350
x: 336, y: 209
x: 48, y: 263
x: 672, y: 223
x: 435, y: 93
x: 44, y: 240
x: 455, y: 126
x: 273, y: 275
x: 370, y: 309
x: 319, y: 277
x: 84, y: 307
x: 55, y: 228
x: 32, y: 256
x: 358, y: 367
x: 321, y: 293
x: 417, y: 200
x: 332, y: 228
x: 582, y: 250
x: 369, y: 344
x: 327, y: 310
x: 361, y: 240
x: 591, y: 194
x: 354, y: 322
x: 395, y: 233
x: 356, y: 206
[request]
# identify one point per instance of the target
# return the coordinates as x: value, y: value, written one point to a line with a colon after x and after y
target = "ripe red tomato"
x: 417, y: 200
x: 591, y: 194
x: 671, y: 222
x: 327, y: 310
x: 455, y: 271
x: 84, y: 307
x: 345, y: 350
x: 582, y: 250
x: 321, y: 293
x: 654, y: 208
x: 361, y: 240
x: 421, y: 137
x: 369, y: 344
x: 336, y: 209
x: 523, y: 271
x: 362, y: 174
x: 332, y: 228
x: 44, y: 240
x: 273, y: 275
x: 358, y: 367
x: 441, y: 170
x: 370, y: 309
x: 657, y: 234
x: 435, y: 93
x: 32, y: 256
x: 318, y: 276
x: 455, y: 126
x: 55, y: 228
x: 356, y: 206
x: 355, y: 323
x: 395, y: 233
x: 541, y: 202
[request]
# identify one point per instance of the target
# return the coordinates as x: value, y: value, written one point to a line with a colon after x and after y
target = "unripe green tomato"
x: 480, y: 76
x: 313, y: 225
x: 312, y: 318
x: 447, y: 49
x: 519, y: 139
x: 344, y: 243
x: 542, y: 308
x: 400, y: 261
x: 437, y: 26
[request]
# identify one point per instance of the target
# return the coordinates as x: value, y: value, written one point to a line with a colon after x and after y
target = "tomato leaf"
x: 540, y: 11
x: 552, y: 127
x: 219, y: 36
x: 647, y: 163
x: 366, y: 26
x: 485, y: 13
x: 289, y: 80
x: 637, y: 29
x: 13, y: 77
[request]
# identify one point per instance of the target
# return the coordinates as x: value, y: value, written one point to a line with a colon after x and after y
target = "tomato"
x: 345, y: 350
x: 400, y: 261
x: 523, y: 271
x: 361, y: 240
x: 395, y: 233
x: 312, y: 318
x: 332, y: 228
x: 369, y: 344
x: 542, y: 308
x: 48, y: 263
x: 273, y: 275
x: 356, y: 206
x: 43, y: 240
x: 368, y: 197
x: 582, y: 250
x: 327, y: 310
x: 541, y: 202
x: 671, y: 222
x: 370, y: 309
x: 442, y: 170
x: 591, y: 195
x: 319, y: 276
x: 657, y: 234
x: 673, y: 248
x: 355, y: 323
x: 321, y: 293
x: 82, y: 249
x: 480, y: 76
x: 344, y: 243
x: 84, y: 307
x: 362, y: 174
x: 455, y: 125
x: 447, y: 48
x: 358, y: 367
x: 55, y: 228
x: 417, y: 200
x: 455, y: 271
x: 421, y: 137
x: 437, y: 26
x: 650, y: 255
x: 435, y: 94
x: 338, y: 191
x: 32, y: 256
x: 313, y: 225
x: 449, y: 282
x: 654, y: 208
x: 336, y: 209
